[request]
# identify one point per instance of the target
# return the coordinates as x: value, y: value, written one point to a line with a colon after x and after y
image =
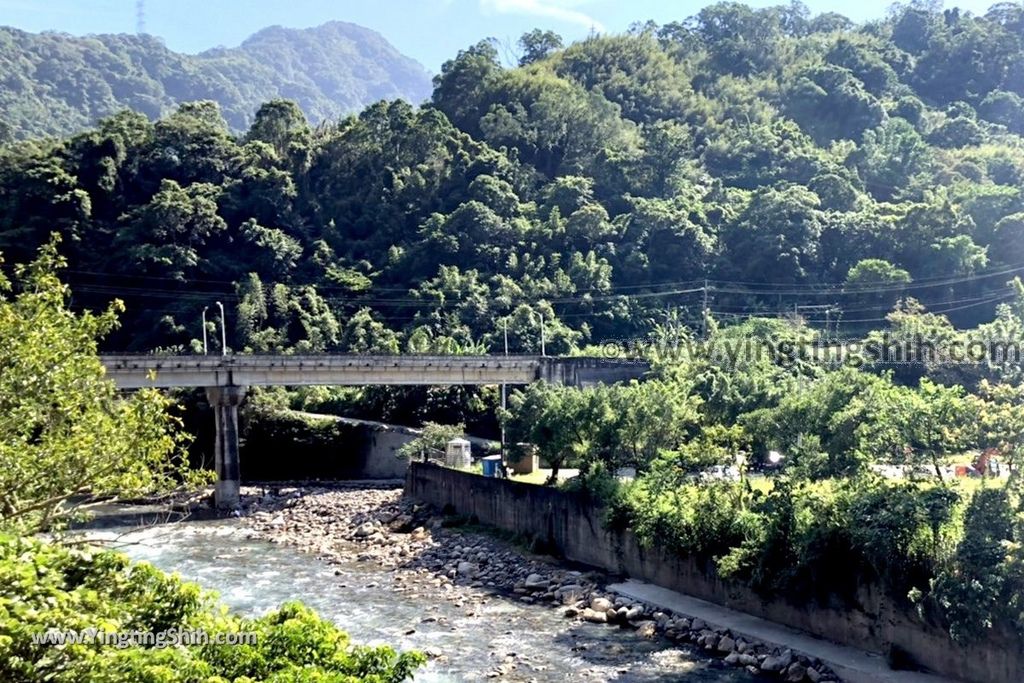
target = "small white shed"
x: 458, y: 454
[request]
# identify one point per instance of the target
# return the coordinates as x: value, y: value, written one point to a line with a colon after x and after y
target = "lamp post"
x: 542, y: 352
x: 541, y: 317
x: 223, y: 331
x: 504, y: 325
x: 205, y: 348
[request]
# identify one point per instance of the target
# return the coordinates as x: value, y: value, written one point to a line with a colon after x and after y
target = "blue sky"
x: 430, y: 31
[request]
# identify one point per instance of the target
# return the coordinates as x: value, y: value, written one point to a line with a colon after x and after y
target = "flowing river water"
x: 501, y: 639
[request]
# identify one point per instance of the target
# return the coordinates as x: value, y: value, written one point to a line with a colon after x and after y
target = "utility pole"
x: 675, y: 339
x: 504, y: 325
x: 542, y: 352
x: 140, y: 17
x: 704, y: 312
x: 223, y: 331
x: 206, y: 350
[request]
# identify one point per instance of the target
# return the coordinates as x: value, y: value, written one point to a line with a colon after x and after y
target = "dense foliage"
x: 45, y: 587
x: 57, y: 84
x: 65, y: 434
x: 812, y: 480
x: 800, y: 164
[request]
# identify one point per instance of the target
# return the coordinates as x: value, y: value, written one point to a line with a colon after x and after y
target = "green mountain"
x: 56, y: 84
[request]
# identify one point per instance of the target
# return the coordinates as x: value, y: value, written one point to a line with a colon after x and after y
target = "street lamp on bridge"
x: 223, y: 331
x: 205, y: 349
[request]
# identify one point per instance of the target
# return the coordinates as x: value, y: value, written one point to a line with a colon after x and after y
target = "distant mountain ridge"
x: 55, y: 83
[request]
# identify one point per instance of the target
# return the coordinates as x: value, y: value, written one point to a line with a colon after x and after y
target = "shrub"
x: 44, y: 586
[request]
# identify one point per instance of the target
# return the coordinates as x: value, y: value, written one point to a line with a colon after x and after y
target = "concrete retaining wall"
x: 573, y: 526
x: 292, y: 445
x: 379, y: 458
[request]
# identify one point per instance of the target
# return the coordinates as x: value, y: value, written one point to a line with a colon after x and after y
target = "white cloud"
x: 560, y: 10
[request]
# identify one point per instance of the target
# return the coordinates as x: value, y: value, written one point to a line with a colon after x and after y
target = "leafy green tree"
x: 166, y: 235
x: 973, y: 591
x: 363, y: 334
x: 432, y: 442
x: 280, y: 123
x: 1009, y: 233
x: 919, y: 427
x: 1001, y: 420
x: 740, y: 40
x: 890, y: 156
x: 876, y: 272
x: 958, y: 255
x: 865, y: 63
x: 1005, y: 108
x: 815, y: 427
x: 460, y: 90
x: 777, y: 236
x: 66, y: 435
x: 558, y: 421
x: 830, y: 103
x: 648, y: 418
x: 957, y: 132
x: 538, y: 44
x: 632, y: 71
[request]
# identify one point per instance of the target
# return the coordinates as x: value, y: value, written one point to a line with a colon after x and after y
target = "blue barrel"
x: 491, y: 465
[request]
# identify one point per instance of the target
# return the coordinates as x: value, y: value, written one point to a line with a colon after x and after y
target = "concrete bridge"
x: 227, y: 379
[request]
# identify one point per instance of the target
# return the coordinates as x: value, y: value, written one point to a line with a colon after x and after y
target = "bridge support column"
x: 225, y: 401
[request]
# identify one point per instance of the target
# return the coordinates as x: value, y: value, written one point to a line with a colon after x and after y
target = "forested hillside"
x: 56, y: 84
x: 771, y: 160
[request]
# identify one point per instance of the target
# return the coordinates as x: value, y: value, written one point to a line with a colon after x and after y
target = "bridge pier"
x: 225, y: 401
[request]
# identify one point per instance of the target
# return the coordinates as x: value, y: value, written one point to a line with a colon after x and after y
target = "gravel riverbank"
x: 445, y: 558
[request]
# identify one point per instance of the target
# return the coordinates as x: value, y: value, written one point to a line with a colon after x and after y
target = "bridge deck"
x: 134, y: 372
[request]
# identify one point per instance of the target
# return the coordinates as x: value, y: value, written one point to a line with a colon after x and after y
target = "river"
x: 499, y: 639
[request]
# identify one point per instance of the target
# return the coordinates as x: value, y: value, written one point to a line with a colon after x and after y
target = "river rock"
x: 467, y: 569
x: 601, y: 604
x: 777, y: 664
x: 796, y: 672
x: 385, y: 516
x: 569, y: 593
x: 647, y: 629
x: 813, y: 675
x: 365, y: 529
x: 594, y: 616
x: 634, y: 613
x: 726, y: 644
x: 535, y: 582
